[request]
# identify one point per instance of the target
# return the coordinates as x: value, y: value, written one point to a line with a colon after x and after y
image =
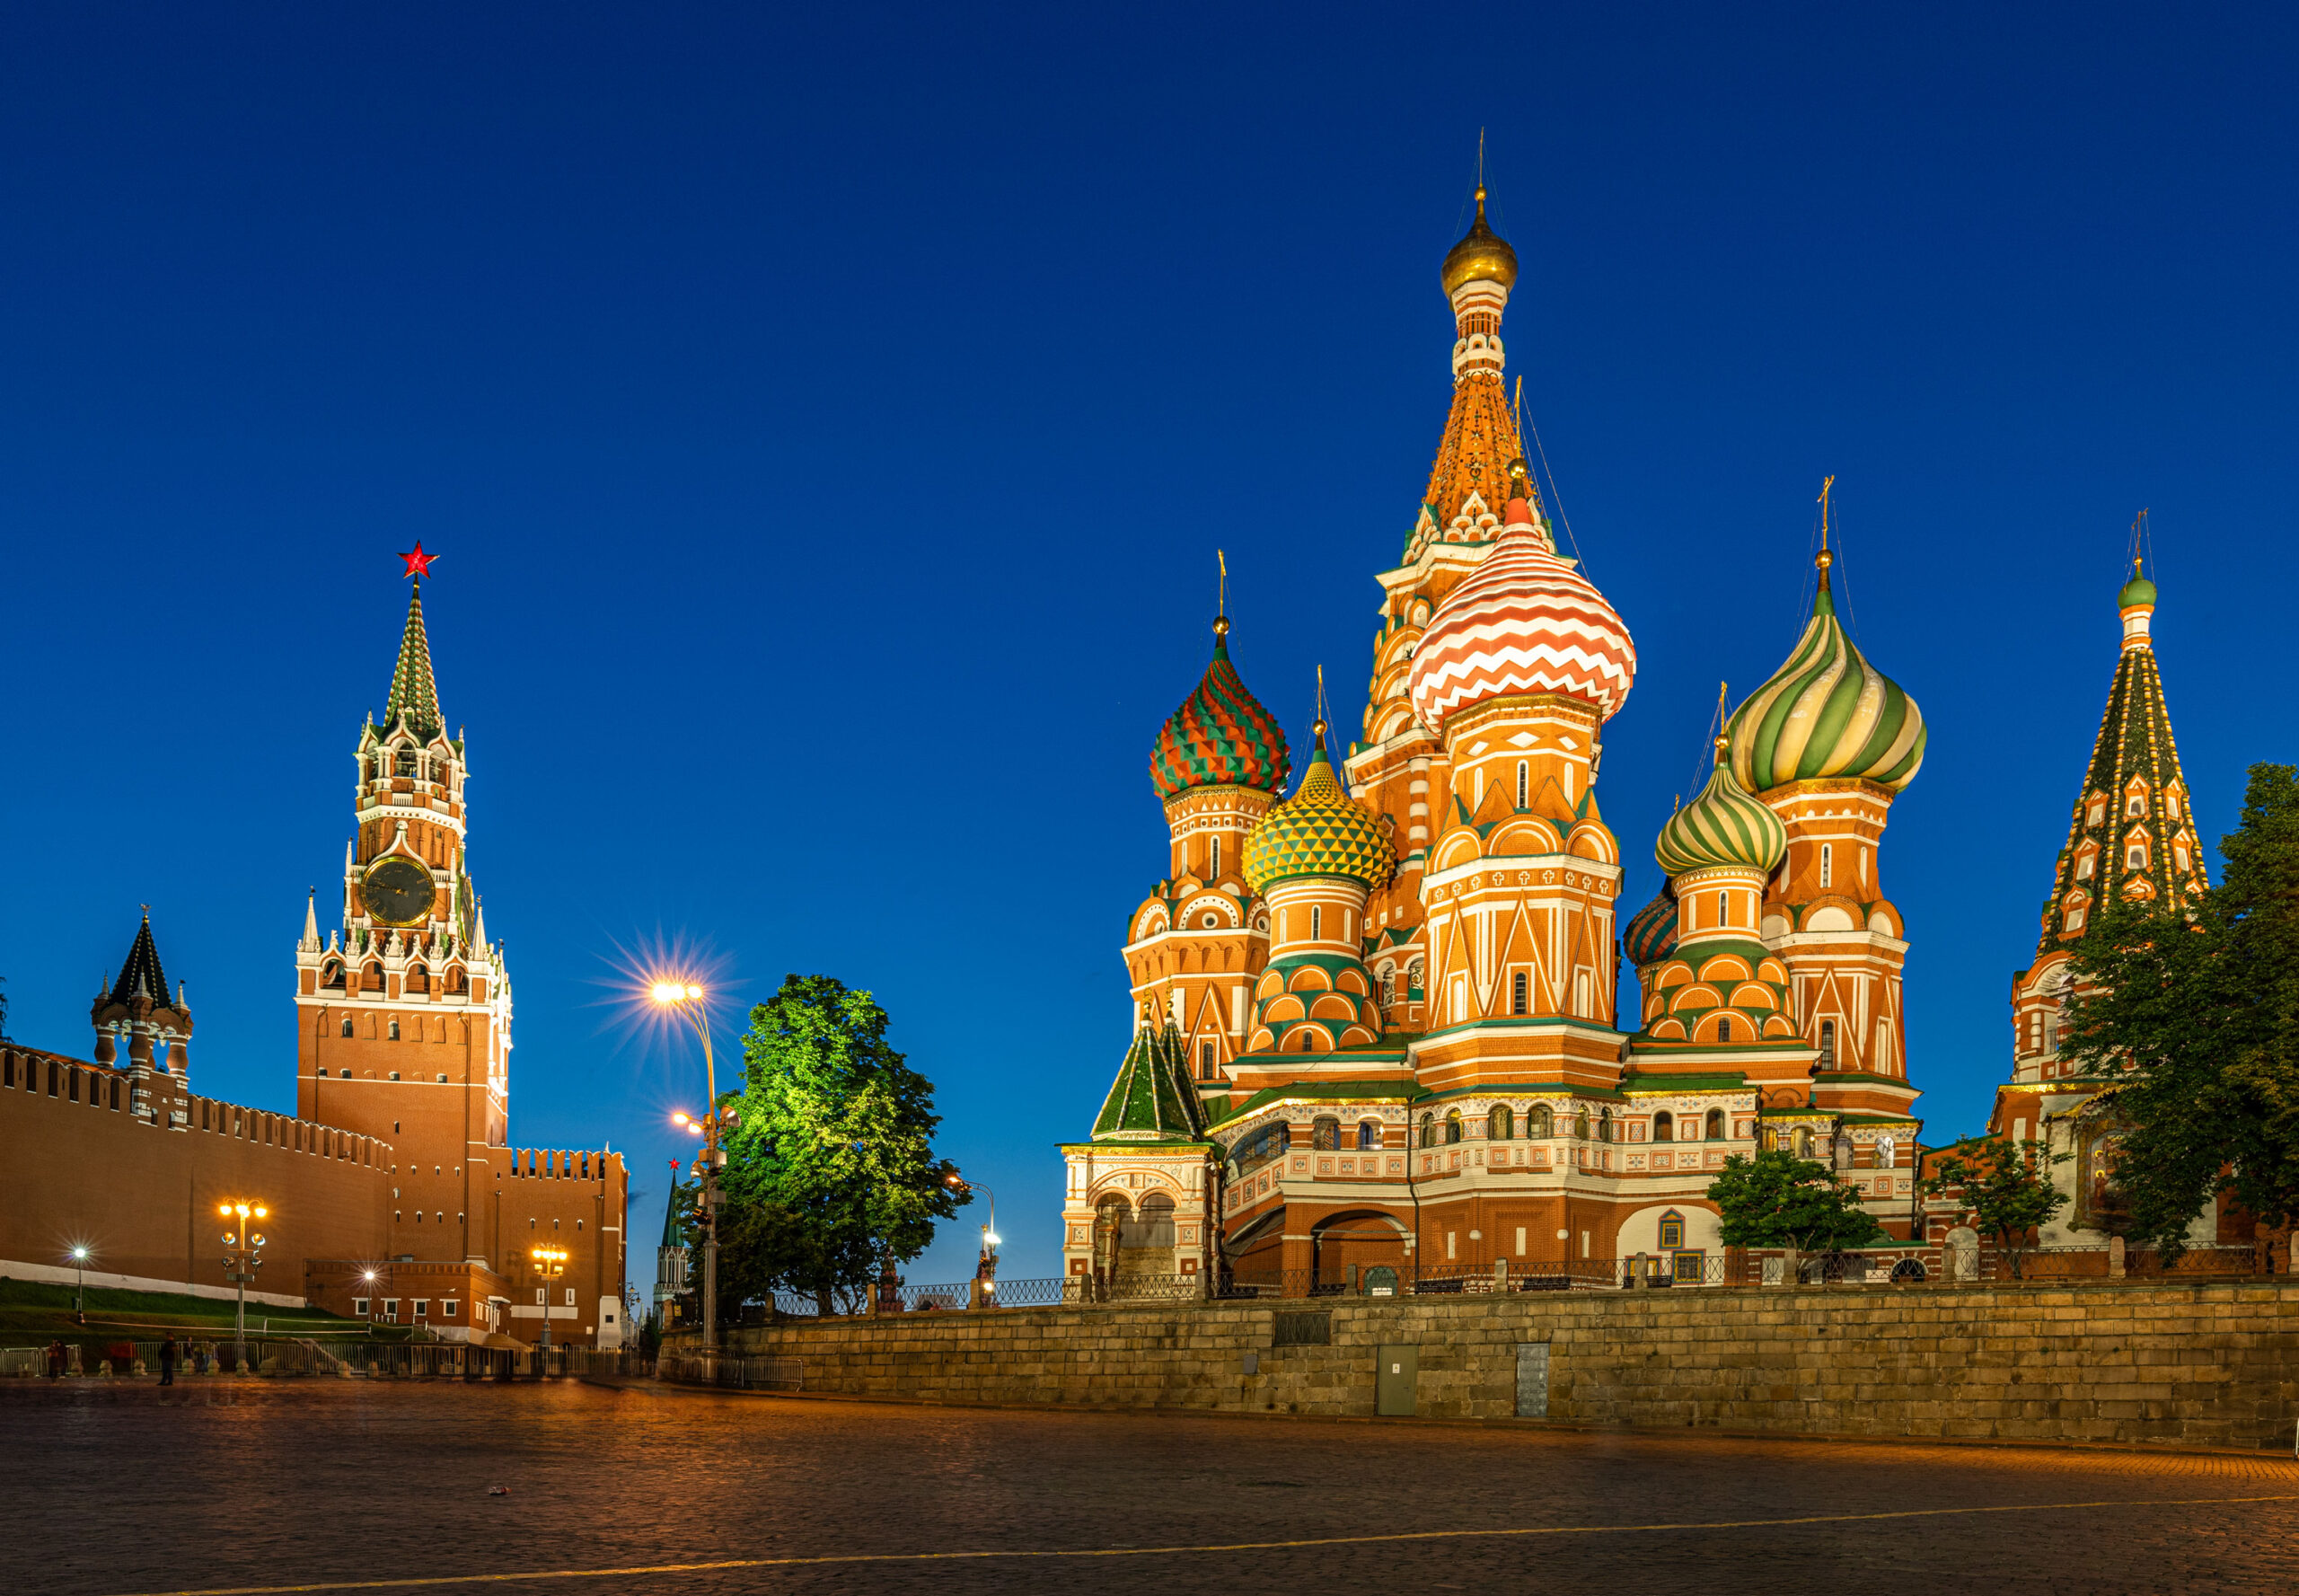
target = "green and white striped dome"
x: 1826, y: 715
x: 1726, y: 824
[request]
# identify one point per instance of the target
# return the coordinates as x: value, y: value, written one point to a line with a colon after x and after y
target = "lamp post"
x: 551, y: 1263
x: 241, y: 1264
x: 686, y: 997
x: 80, y: 1271
x: 985, y: 1269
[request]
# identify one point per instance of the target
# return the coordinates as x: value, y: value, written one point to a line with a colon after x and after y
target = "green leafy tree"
x: 2004, y: 1188
x: 2196, y: 1009
x: 1776, y: 1199
x: 830, y: 1162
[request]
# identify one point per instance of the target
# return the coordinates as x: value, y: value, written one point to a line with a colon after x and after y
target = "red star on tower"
x: 419, y: 563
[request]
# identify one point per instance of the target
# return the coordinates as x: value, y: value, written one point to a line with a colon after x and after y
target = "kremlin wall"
x: 394, y: 1193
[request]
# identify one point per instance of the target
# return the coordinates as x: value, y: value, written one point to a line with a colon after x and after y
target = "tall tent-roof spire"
x: 414, y: 699
x: 2133, y: 832
x: 142, y: 970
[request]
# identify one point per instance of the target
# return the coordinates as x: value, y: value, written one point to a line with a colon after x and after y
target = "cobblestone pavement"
x: 119, y: 1488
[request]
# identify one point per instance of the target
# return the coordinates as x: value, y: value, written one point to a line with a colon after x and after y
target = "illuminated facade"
x: 1377, y: 1018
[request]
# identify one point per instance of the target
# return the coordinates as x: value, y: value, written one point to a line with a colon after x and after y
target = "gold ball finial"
x: 1723, y: 746
x: 1482, y: 254
x: 1824, y: 560
x: 1318, y: 729
x: 1220, y: 626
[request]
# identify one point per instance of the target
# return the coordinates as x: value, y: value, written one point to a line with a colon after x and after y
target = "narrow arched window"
x: 1664, y: 1127
x: 1452, y: 1127
x: 395, y: 1030
x: 1369, y: 1133
x: 1429, y: 1130
x: 1715, y: 1125
x: 1723, y: 1030
x: 1213, y: 859
x: 1724, y: 907
x: 1524, y: 784
x: 1516, y: 984
x: 346, y: 1025
x: 1827, y: 1044
x: 1827, y: 866
x: 1324, y: 1134
x: 1499, y: 1124
x: 1316, y: 924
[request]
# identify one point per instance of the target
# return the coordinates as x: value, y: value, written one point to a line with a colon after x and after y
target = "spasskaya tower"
x: 404, y: 1011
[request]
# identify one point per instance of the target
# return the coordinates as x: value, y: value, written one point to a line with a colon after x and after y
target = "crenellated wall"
x: 82, y: 1171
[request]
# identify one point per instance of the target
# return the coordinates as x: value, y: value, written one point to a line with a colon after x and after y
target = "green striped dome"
x: 1725, y: 825
x: 1826, y: 715
x: 1319, y: 831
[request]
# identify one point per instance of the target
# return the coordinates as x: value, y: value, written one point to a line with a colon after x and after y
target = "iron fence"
x: 272, y: 1356
x: 733, y: 1372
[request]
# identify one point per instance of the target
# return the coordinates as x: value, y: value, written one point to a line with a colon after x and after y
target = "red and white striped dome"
x: 1523, y: 622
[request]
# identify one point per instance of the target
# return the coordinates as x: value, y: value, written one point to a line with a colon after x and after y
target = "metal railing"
x: 382, y: 1360
x: 733, y: 1372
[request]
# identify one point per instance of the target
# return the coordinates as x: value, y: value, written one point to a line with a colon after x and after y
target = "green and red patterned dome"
x: 1220, y: 736
x: 1652, y: 933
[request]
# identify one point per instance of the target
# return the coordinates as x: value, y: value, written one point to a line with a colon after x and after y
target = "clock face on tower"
x: 396, y: 890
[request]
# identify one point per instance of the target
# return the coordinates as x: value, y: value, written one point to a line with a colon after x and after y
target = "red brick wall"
x: 143, y: 1198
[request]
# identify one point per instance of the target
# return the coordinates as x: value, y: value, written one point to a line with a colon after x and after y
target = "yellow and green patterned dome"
x: 1826, y: 715
x: 1726, y: 824
x: 1319, y: 831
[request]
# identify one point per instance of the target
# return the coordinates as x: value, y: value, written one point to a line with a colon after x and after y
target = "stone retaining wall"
x: 2193, y: 1365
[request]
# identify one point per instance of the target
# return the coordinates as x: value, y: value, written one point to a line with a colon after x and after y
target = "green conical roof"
x: 2142, y: 797
x: 415, y: 692
x: 1151, y: 1100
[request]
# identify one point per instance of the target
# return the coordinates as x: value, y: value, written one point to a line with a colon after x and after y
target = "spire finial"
x: 1826, y: 558
x: 1724, y: 740
x: 1320, y: 726
x: 1222, y: 602
x: 1480, y: 171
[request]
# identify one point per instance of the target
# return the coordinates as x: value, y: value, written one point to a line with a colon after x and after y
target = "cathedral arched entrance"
x: 1345, y: 1248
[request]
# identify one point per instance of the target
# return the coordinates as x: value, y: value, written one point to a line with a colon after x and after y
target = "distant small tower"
x: 139, y: 1008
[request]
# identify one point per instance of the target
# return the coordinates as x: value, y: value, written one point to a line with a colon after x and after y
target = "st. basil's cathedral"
x: 1377, y: 1032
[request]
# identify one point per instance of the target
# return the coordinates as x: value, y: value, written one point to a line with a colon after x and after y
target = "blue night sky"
x: 827, y: 426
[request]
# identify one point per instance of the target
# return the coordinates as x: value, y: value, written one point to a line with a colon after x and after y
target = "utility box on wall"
x: 1394, y: 1379
x: 1532, y: 1380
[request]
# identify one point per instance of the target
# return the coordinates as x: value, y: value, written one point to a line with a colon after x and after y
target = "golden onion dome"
x: 1481, y: 253
x: 1319, y: 831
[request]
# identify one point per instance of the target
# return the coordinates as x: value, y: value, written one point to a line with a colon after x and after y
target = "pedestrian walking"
x: 56, y: 1359
x: 167, y: 1360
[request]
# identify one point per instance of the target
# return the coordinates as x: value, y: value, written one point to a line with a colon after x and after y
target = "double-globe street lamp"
x: 241, y: 1262
x: 687, y: 999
